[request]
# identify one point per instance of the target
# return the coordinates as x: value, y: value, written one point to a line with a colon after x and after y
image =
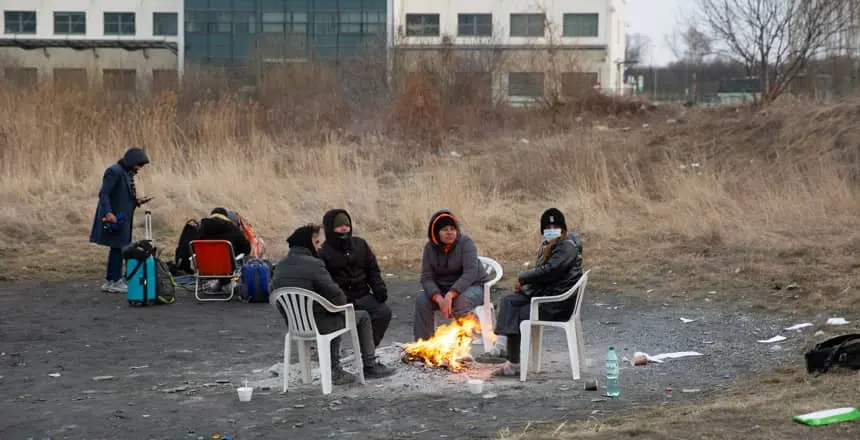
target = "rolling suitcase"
x: 140, y: 268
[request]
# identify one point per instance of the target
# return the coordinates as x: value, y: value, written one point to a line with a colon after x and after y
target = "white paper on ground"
x: 837, y: 321
x: 679, y: 354
x: 798, y: 326
x: 773, y: 339
x: 687, y: 320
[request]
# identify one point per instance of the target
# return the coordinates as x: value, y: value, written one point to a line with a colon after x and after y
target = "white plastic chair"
x: 530, y: 344
x: 486, y: 313
x: 299, y: 307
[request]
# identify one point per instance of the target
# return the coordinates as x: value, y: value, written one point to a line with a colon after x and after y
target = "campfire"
x: 448, y: 348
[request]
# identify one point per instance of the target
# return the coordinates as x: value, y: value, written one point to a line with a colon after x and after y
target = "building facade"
x: 122, y: 44
x: 538, y: 47
x: 245, y: 33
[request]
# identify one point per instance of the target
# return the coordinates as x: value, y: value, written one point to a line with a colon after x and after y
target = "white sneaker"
x: 211, y: 286
x: 227, y: 288
x: 108, y: 287
x: 121, y: 286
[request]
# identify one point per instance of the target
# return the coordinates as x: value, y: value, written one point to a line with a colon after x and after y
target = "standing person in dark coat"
x: 304, y: 269
x: 557, y: 270
x: 354, y: 268
x: 451, y: 274
x: 114, y: 216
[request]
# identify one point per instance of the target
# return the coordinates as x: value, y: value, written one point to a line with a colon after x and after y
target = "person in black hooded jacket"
x: 353, y: 266
x: 304, y: 269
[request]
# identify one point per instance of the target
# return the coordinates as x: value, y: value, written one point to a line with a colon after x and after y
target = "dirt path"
x: 166, y: 363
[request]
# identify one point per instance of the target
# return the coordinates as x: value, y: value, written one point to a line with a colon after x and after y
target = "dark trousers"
x: 114, y: 265
x: 514, y: 309
x: 380, y: 315
x: 327, y: 323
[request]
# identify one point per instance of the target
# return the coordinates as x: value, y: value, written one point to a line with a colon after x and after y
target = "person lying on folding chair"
x: 219, y: 226
x: 303, y: 268
x: 558, y: 268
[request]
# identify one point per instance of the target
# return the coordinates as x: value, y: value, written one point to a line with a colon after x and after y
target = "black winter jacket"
x: 557, y: 275
x: 351, y: 263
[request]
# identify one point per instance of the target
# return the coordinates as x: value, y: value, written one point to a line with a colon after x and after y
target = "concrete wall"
x: 94, y: 61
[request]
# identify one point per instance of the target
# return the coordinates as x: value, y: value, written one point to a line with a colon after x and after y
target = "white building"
x: 124, y: 44
x: 586, y: 38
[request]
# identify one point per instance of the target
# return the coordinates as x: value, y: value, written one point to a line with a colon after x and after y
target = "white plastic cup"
x: 245, y: 393
x: 476, y: 386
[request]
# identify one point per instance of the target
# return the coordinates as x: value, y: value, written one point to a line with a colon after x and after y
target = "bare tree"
x: 774, y: 39
x: 691, y: 45
x: 637, y: 48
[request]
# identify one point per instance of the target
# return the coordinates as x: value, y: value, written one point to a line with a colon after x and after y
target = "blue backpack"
x: 255, y: 281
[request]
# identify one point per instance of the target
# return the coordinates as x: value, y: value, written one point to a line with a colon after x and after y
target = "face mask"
x: 551, y: 234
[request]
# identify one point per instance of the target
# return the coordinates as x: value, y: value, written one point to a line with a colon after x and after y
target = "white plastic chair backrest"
x: 298, y: 303
x: 493, y: 268
x: 580, y: 286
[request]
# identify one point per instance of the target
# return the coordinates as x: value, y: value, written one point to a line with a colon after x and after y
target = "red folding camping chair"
x: 214, y: 260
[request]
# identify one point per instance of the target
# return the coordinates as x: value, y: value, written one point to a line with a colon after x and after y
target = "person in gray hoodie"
x: 451, y: 275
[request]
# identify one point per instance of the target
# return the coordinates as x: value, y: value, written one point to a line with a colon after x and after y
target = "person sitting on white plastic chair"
x: 558, y: 268
x: 303, y: 268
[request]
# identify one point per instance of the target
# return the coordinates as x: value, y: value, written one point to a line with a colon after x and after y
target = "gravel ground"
x: 77, y: 363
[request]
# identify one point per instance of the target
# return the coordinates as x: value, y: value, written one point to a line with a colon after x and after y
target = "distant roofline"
x: 81, y: 44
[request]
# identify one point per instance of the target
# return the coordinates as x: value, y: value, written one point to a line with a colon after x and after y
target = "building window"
x: 20, y: 22
x: 350, y: 22
x: 21, y: 76
x: 422, y: 25
x: 70, y: 77
x: 70, y: 23
x: 525, y: 84
x: 581, y: 25
x: 120, y: 80
x: 119, y: 23
x: 165, y: 24
x: 222, y: 24
x: 475, y: 25
x: 285, y: 22
x: 325, y: 23
x: 577, y: 83
x: 244, y: 22
x: 527, y: 25
x: 374, y: 22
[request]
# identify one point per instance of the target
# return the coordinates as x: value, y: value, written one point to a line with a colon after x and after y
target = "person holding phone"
x: 114, y: 216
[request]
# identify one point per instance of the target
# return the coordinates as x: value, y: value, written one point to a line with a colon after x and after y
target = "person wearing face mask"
x: 451, y: 274
x: 304, y: 269
x: 557, y: 269
x: 353, y: 266
x: 114, y: 216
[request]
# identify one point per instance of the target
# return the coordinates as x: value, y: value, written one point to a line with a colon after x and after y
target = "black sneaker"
x: 339, y: 376
x: 377, y: 371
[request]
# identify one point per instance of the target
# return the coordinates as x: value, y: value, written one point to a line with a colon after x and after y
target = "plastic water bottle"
x: 613, y: 370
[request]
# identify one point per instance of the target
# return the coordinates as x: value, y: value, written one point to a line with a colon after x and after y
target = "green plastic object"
x: 828, y: 416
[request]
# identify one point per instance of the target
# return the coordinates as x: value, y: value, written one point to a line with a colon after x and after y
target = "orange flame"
x: 448, y: 346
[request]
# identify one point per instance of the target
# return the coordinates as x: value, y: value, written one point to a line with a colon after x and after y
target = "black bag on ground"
x: 165, y: 285
x: 841, y: 351
x: 182, y: 259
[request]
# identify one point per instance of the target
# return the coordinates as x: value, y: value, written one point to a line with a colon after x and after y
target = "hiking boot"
x: 339, y: 376
x: 495, y: 356
x: 377, y: 371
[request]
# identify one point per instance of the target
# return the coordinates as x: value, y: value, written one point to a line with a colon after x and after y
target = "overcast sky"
x: 656, y: 19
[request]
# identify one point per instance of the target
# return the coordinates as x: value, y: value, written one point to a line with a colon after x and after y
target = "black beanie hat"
x: 441, y: 222
x: 303, y: 237
x: 552, y: 216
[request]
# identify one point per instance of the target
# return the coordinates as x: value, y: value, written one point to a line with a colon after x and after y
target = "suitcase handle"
x: 147, y: 224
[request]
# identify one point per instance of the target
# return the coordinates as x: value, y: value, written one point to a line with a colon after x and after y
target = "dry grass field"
x: 677, y: 201
x: 761, y: 206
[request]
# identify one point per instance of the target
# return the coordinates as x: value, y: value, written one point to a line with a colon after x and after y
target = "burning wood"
x: 448, y: 348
